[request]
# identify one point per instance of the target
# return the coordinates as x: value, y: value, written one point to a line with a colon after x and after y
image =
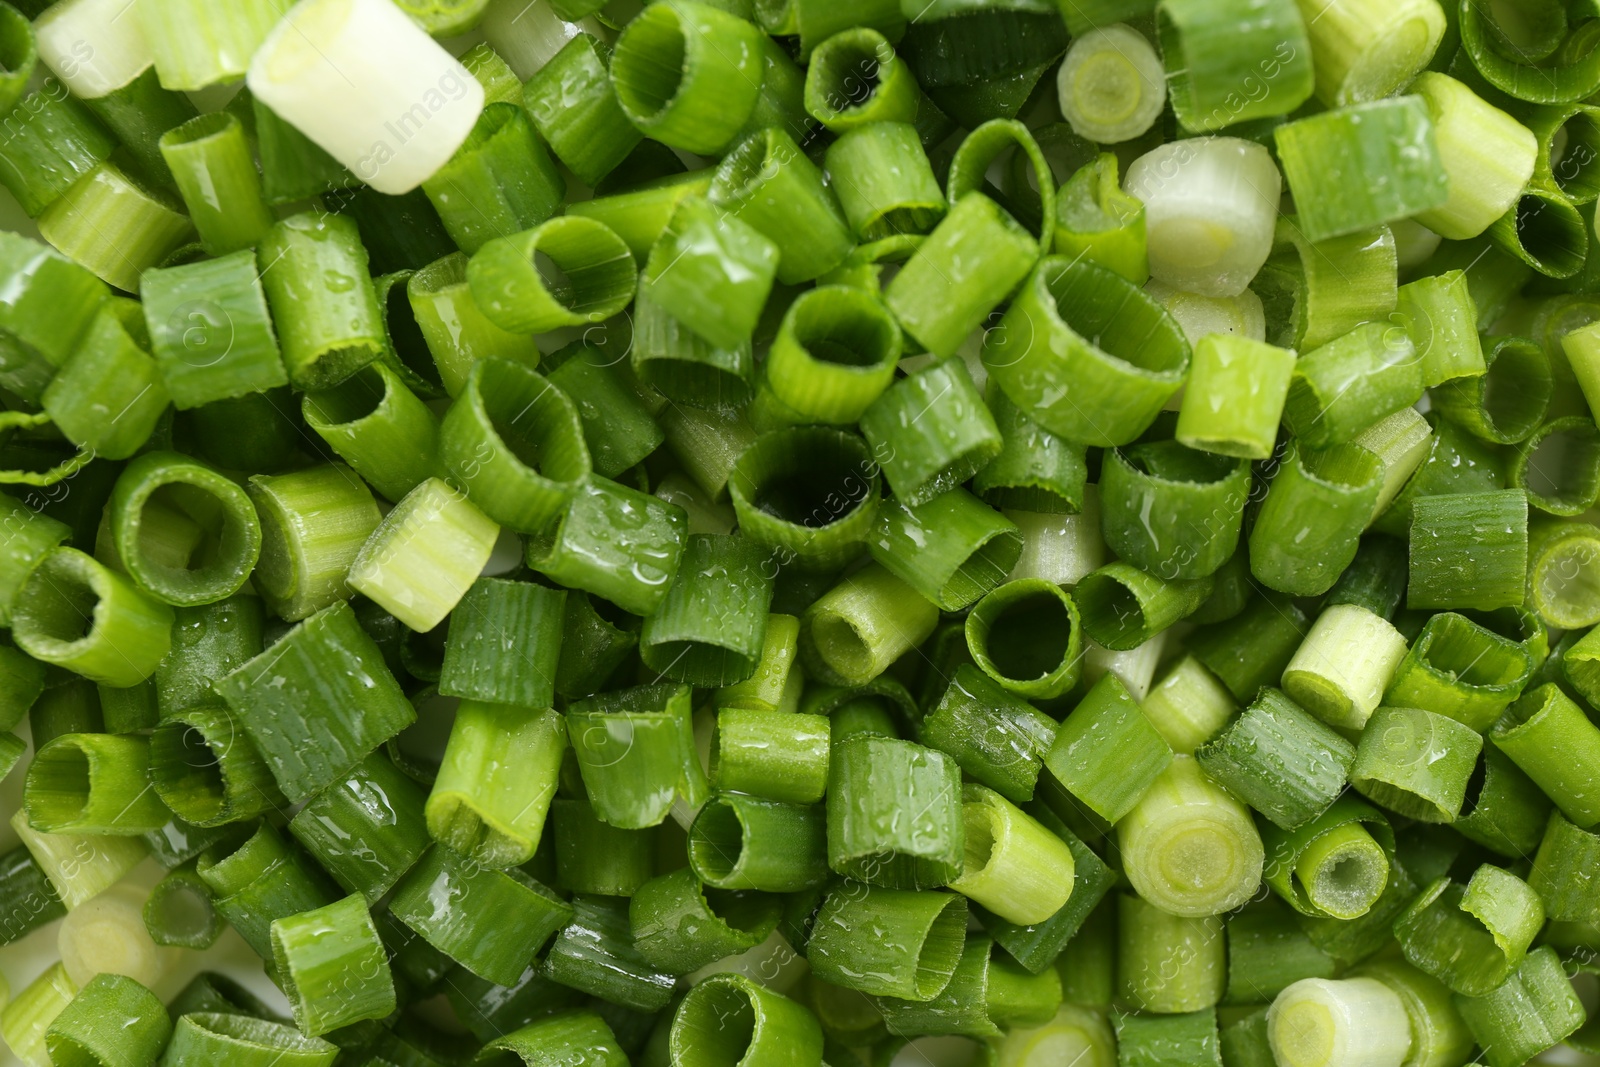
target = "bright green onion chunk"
x: 1167, y: 963
x: 1014, y: 867
x: 112, y: 1019
x: 1343, y: 668
x: 895, y: 814
x: 1189, y: 1039
x: 635, y: 749
x: 1107, y: 754
x: 179, y: 912
x: 888, y: 942
x: 1457, y: 668
x: 594, y: 857
x: 1171, y: 510
x: 577, y: 1038
x: 1111, y: 86
x: 1267, y: 952
x: 1533, y: 1010
x: 1280, y: 760
x: 334, y: 966
x: 1549, y: 737
x: 1471, y: 938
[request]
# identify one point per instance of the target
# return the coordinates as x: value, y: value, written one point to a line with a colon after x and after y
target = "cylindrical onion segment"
x: 1111, y: 85
x: 1210, y: 204
x: 94, y: 46
x: 1239, y: 316
x: 1354, y: 1022
x: 372, y: 89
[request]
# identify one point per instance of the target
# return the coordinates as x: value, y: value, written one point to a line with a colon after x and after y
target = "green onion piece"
x: 293, y: 167
x: 1564, y: 872
x: 1316, y: 292
x: 378, y: 426
x: 1338, y: 866
x: 867, y: 776
x: 1456, y: 462
x: 573, y: 106
x: 619, y: 425
x: 743, y: 842
x: 1036, y: 946
x: 425, y: 555
x: 1438, y: 1033
x: 210, y: 160
x: 79, y: 868
x: 853, y: 632
x: 1356, y: 1021
x: 809, y: 495
x: 1188, y: 847
x: 1234, y: 396
x: 1026, y: 636
x: 333, y: 966
x: 1105, y: 391
x: 112, y: 1019
x: 1460, y: 669
x: 710, y: 627
x: 504, y: 644
x: 1188, y: 1040
x: 29, y: 536
x: 496, y: 920
x: 1364, y: 51
x: 1549, y: 737
x: 930, y: 432
x: 680, y: 365
x: 1170, y: 510
x: 855, y: 78
x: 507, y: 411
x: 1416, y: 763
x: 210, y: 330
x: 75, y: 613
x: 48, y: 315
x: 1570, y: 487
x: 569, y: 271
x: 313, y: 525
x: 1507, y: 402
x: 575, y: 1038
x: 1544, y: 230
x: 1321, y: 156
x: 713, y: 270
x: 769, y: 184
x: 109, y: 396
x: 211, y: 991
x: 775, y: 754
x: 1309, y: 526
x: 1471, y: 938
x: 1189, y: 705
x: 1111, y: 87
x: 500, y: 83
x: 1349, y: 383
x: 51, y: 142
x: 686, y: 75
x: 1122, y: 607
x: 72, y: 707
x: 834, y: 355
x: 1107, y: 753
x: 114, y: 226
x: 195, y: 45
x: 1504, y: 810
x: 1267, y: 953
x: 1403, y: 442
x: 1252, y: 648
x: 995, y: 737
x: 25, y: 1021
x: 960, y: 1008
x: 1560, y: 559
x: 970, y: 262
x: 179, y: 912
x: 1035, y: 470
x: 261, y: 880
x: 730, y: 1019
x: 366, y: 830
x: 1015, y: 868
x: 1487, y: 155
x: 219, y: 511
x: 485, y: 805
x: 1438, y: 314
x: 1535, y: 1009
x: 93, y: 784
x: 490, y: 1011
x: 952, y: 549
x: 595, y: 954
x: 1060, y: 548
x: 1280, y: 760
x: 1244, y: 1042
x: 679, y: 926
x: 884, y: 180
x: 636, y: 751
x: 1231, y: 65
x: 1469, y: 550
x: 455, y: 328
x: 139, y: 112
x: 912, y: 949
x: 640, y: 214
x: 1166, y: 963
x: 500, y: 182
x: 203, y: 1038
x: 315, y: 273
x: 1099, y: 223
x: 982, y: 147
x: 775, y: 685
x: 1343, y: 668
x: 324, y: 679
x: 205, y: 771
x: 595, y: 857
x: 615, y: 543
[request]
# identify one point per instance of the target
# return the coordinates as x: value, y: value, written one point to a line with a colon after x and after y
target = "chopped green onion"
x: 1123, y: 607
x: 375, y: 805
x: 1337, y: 866
x: 581, y: 1038
x: 595, y: 857
x: 569, y: 271
x: 1471, y: 938
x: 1111, y: 86
x: 25, y: 1021
x: 709, y: 628
x: 729, y: 1019
x: 888, y: 942
x: 1015, y: 868
x: 315, y: 273
x: 1533, y: 1010
x: 1487, y: 155
x: 454, y: 328
x: 1025, y: 635
x: 1563, y: 872
x: 1280, y: 760
x: 615, y: 543
x: 93, y: 784
x: 868, y: 776
x: 204, y: 769
x: 1504, y: 810
x: 1170, y: 510
x: 855, y: 78
x: 1343, y: 668
x: 1549, y: 737
x: 52, y: 142
x: 260, y: 880
x: 333, y: 966
x: 79, y: 868
x: 575, y: 109
x: 884, y: 181
x: 742, y: 842
x: 1362, y: 50
x: 500, y: 182
x: 1460, y: 669
x: 179, y: 912
x: 1168, y: 964
x: 112, y: 1019
x: 210, y: 160
x: 74, y: 612
x: 1187, y: 1040
x: 1570, y: 488
x: 484, y: 806
x: 768, y: 183
x: 776, y: 754
x: 636, y: 751
x: 114, y: 226
x: 1416, y: 763
x: 203, y: 1038
x: 775, y: 685
x: 1469, y: 550
x: 595, y: 954
x: 1234, y: 396
x: 1438, y: 314
x: 833, y: 356
x: 1356, y: 1021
